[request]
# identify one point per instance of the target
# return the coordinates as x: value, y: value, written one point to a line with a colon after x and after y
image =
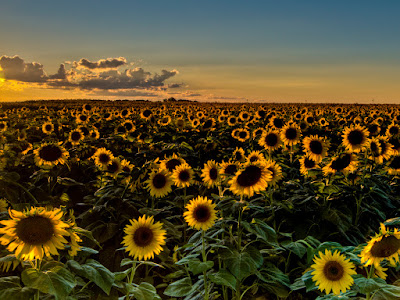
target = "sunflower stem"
x: 203, y: 252
x: 37, y: 295
x: 133, y: 271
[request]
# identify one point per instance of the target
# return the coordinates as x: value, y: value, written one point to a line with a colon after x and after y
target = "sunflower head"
x: 355, y: 138
x: 211, y: 174
x: 290, y: 134
x: 183, y: 175
x: 332, y: 272
x: 159, y: 183
x: 144, y: 238
x: 50, y: 154
x: 201, y: 213
x: 35, y: 233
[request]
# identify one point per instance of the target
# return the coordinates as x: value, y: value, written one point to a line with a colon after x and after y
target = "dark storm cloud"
x: 61, y: 73
x: 175, y: 85
x: 15, y: 68
x: 109, y: 63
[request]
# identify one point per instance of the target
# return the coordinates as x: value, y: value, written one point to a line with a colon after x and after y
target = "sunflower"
x: 393, y: 130
x: 50, y: 154
x: 374, y: 128
x: 309, y: 120
x: 75, y: 136
x: 228, y: 168
x: 256, y: 134
x: 211, y: 174
x: 251, y: 178
x: 159, y: 183
x: 332, y: 272
x: 232, y: 120
x: 393, y: 166
x: 316, y: 147
x: 276, y: 172
x: 209, y: 124
x: 183, y: 175
x: 94, y: 133
x: 34, y: 233
x: 3, y: 126
x: 345, y: 162
x: 146, y: 114
x: 379, y: 148
x: 242, y: 135
x: 307, y: 164
x: 81, y: 118
x: 102, y: 157
x: 354, y: 138
x: 115, y: 167
x: 270, y: 140
x: 47, y: 127
x: 129, y: 126
x: 290, y: 134
x: 171, y: 162
x: 201, y: 213
x: 238, y: 155
x: 255, y: 156
x: 276, y: 122
x: 384, y: 246
x: 165, y: 120
x: 144, y: 238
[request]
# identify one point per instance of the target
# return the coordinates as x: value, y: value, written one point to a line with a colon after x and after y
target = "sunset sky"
x: 261, y: 51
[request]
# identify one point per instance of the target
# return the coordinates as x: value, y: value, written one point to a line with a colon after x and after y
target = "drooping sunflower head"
x: 393, y: 130
x: 238, y: 155
x: 211, y: 174
x: 49, y: 155
x: 171, y: 162
x: 384, y: 246
x: 146, y: 114
x: 255, y: 156
x: 183, y: 175
x: 251, y: 178
x: 115, y: 167
x: 276, y: 122
x: 276, y: 172
x: 34, y: 233
x: 354, y: 138
x: 229, y: 168
x: 316, y: 147
x: 144, y: 238
x: 332, y: 272
x: 345, y: 162
x: 201, y: 213
x: 393, y: 166
x: 307, y: 164
x: 159, y: 183
x: 290, y: 134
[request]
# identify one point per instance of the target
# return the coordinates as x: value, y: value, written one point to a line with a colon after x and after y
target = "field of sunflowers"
x: 186, y: 200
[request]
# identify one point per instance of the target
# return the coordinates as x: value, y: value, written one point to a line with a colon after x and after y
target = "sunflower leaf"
x: 95, y: 272
x: 180, y: 288
x: 197, y: 266
x: 57, y: 281
x: 223, y: 277
x: 10, y: 288
x: 368, y: 285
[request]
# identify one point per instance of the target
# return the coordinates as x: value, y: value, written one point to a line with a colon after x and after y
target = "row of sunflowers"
x: 153, y: 200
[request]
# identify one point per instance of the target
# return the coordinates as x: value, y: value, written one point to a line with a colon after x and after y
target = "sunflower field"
x: 187, y: 200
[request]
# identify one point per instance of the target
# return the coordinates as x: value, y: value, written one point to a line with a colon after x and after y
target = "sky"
x: 235, y: 51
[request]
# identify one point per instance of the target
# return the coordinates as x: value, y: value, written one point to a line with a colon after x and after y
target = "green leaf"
x: 180, y: 288
x: 296, y: 247
x: 197, y: 266
x: 88, y: 234
x: 57, y: 281
x: 387, y: 292
x: 255, y: 255
x: 223, y: 277
x: 368, y: 285
x: 145, y: 291
x: 95, y: 272
x: 10, y: 288
x: 241, y: 265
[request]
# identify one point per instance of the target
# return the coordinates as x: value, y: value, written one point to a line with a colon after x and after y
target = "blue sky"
x: 339, y: 44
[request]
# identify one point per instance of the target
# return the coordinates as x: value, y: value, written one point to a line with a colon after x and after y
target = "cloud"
x: 61, y: 73
x: 175, y: 85
x: 15, y: 68
x: 109, y: 63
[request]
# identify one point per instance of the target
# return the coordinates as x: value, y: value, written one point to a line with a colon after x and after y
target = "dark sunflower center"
x: 253, y: 158
x: 104, y: 158
x: 143, y: 236
x: 333, y: 271
x: 383, y: 147
x: 230, y: 169
x: 395, y: 143
x: 207, y: 124
x: 128, y: 126
x: 50, y: 153
x: 48, y: 127
x: 113, y: 167
x: 213, y: 173
x: 374, y: 148
x: 121, y: 129
x: 355, y: 137
x: 385, y: 247
x: 159, y: 181
x: 172, y: 164
x: 271, y: 139
x: 2, y: 125
x: 341, y: 162
x: 75, y: 136
x: 232, y: 120
x: 238, y: 156
x: 88, y: 107
x: 147, y: 113
x: 245, y: 116
x: 83, y: 118
x: 395, y: 163
x: 184, y: 176
x: 291, y: 133
x: 124, y: 112
x: 394, y: 130
x: 35, y: 230
x: 309, y: 163
x: 373, y: 128
x: 201, y: 213
x: 242, y: 134
x: 310, y: 120
x: 126, y: 169
x: 250, y: 176
x: 316, y: 147
x: 278, y: 123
